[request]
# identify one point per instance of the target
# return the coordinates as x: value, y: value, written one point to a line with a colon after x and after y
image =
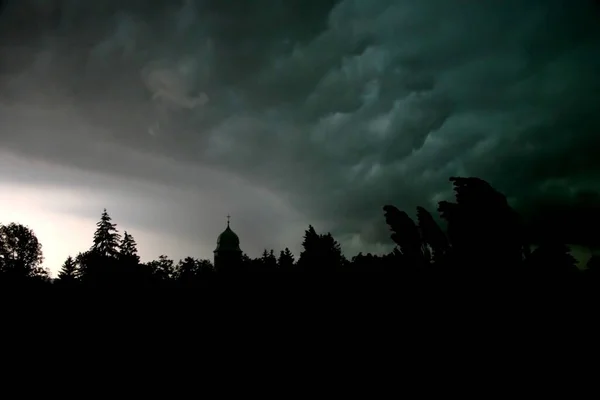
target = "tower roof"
x: 228, y: 240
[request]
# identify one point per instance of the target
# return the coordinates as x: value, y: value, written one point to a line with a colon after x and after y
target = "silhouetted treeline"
x: 482, y: 238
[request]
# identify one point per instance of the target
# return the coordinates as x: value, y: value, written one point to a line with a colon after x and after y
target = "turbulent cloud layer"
x: 333, y: 107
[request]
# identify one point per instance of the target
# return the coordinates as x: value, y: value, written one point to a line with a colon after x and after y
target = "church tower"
x: 228, y: 255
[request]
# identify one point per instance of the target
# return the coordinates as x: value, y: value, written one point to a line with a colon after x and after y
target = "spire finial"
x: 228, y: 216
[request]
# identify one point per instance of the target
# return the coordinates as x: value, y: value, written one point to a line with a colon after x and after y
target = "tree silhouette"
x: 268, y: 261
x: 94, y: 268
x: 20, y: 252
x: 482, y: 227
x: 187, y: 269
x: 247, y: 263
x: 69, y: 272
x: 405, y: 234
x: 310, y: 255
x: 286, y: 260
x: 81, y: 262
x: 321, y: 253
x: 163, y: 268
x: 106, y: 237
x: 482, y: 235
x: 128, y: 249
x: 552, y: 259
x: 192, y: 271
x: 370, y: 263
x: 433, y: 236
x: 205, y: 268
x: 593, y: 267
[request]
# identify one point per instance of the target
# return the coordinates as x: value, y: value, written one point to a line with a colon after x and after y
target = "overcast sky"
x: 173, y: 114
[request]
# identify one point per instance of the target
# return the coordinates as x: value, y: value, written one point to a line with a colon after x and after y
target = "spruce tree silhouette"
x: 322, y: 254
x: 20, y: 254
x: 128, y: 268
x: 69, y: 273
x: 92, y: 268
x: 331, y: 252
x: 106, y: 237
x: 286, y: 260
x: 128, y: 252
x: 99, y: 265
x: 268, y: 261
x: 309, y: 256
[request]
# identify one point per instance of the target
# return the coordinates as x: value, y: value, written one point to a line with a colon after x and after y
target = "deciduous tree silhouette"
x: 406, y: 236
x: 483, y: 229
x: 363, y: 263
x: 163, y: 269
x: 191, y: 271
x: 484, y: 235
x: 433, y: 236
x: 20, y: 253
x: 187, y: 270
x: 205, y: 268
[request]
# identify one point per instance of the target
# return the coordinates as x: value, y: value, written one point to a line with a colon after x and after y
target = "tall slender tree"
x: 106, y: 237
x: 128, y: 249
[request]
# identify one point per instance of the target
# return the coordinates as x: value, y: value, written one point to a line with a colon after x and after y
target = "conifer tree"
x: 286, y: 259
x: 268, y: 261
x: 69, y: 271
x: 128, y: 249
x: 271, y: 260
x: 106, y: 237
x: 321, y: 252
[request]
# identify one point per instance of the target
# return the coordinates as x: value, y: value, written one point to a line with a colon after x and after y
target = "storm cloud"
x: 328, y: 109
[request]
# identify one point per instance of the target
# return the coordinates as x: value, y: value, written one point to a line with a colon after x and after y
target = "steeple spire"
x: 228, y: 217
